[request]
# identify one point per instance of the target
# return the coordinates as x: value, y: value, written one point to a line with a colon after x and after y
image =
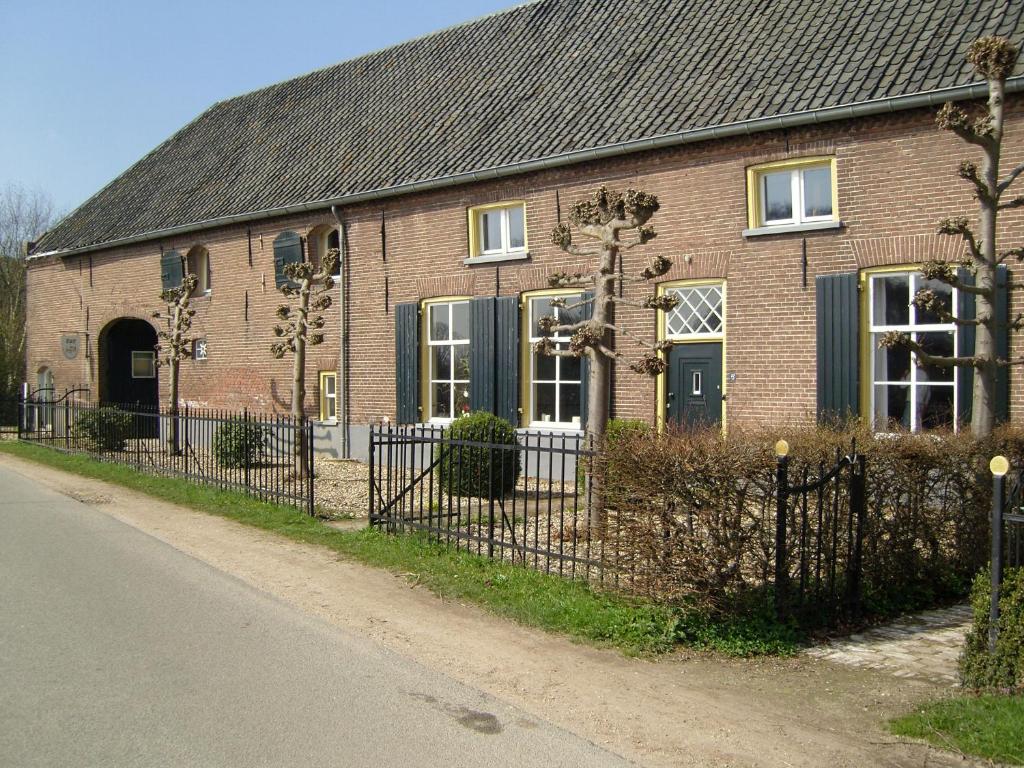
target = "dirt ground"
x: 685, y: 710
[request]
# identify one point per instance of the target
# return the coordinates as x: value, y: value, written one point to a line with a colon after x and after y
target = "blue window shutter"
x: 965, y: 335
x: 171, y: 270
x: 838, y: 328
x: 586, y: 312
x: 506, y: 359
x: 481, y: 354
x: 407, y: 362
x: 1002, y: 340
x: 287, y: 250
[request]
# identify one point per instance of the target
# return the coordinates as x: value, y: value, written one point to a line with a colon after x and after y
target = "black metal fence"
x: 269, y: 457
x: 527, y: 502
x: 8, y: 416
x: 1007, y: 533
x: 524, y: 502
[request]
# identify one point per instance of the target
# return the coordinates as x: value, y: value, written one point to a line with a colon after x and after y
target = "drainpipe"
x: 342, y: 393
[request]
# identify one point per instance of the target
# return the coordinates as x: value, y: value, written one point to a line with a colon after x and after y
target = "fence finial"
x: 999, y: 465
x: 782, y: 449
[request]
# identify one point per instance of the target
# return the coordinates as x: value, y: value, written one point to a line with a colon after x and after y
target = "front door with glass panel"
x: 693, y: 381
x: 695, y: 384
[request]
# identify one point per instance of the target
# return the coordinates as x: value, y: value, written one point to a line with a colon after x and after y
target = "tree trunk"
x: 301, y: 442
x: 983, y: 405
x: 174, y: 439
x: 600, y: 382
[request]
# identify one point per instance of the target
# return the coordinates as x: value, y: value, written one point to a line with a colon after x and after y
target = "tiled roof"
x: 538, y: 80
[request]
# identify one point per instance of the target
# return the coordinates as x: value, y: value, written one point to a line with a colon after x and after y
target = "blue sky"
x: 89, y: 87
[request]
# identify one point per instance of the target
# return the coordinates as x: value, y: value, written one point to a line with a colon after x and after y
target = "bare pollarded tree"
x: 309, y: 285
x: 994, y: 59
x: 604, y: 220
x: 24, y: 216
x: 175, y: 345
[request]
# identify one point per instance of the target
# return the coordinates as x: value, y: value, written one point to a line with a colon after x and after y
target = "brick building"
x: 792, y: 146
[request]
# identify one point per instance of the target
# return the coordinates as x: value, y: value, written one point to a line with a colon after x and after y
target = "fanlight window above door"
x: 699, y: 312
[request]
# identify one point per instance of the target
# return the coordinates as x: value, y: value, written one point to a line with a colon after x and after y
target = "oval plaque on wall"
x: 69, y: 345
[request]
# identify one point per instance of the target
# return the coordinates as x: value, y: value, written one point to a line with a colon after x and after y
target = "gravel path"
x: 341, y: 487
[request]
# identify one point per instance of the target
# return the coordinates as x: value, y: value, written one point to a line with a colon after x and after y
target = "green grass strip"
x: 991, y: 727
x: 536, y: 599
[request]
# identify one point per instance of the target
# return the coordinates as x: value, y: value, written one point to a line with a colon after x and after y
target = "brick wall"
x: 896, y: 178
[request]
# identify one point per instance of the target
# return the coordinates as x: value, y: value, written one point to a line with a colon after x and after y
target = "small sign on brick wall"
x: 69, y: 345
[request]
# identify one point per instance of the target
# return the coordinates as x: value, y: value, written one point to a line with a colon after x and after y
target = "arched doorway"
x: 320, y: 240
x: 128, y: 375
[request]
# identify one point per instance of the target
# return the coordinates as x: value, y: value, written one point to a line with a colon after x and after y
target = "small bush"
x: 479, y: 471
x: 1004, y: 669
x: 237, y: 444
x: 104, y: 429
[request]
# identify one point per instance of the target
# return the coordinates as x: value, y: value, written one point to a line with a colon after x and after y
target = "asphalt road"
x: 118, y: 650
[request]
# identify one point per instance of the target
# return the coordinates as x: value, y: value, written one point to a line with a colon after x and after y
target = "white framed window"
x: 447, y: 359
x: 700, y: 313
x: 200, y: 351
x: 143, y: 364
x: 328, y: 395
x: 497, y: 230
x: 556, y: 383
x: 792, y: 193
x: 903, y: 394
x: 197, y: 263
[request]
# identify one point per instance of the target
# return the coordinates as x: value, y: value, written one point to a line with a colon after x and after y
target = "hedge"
x: 693, y: 512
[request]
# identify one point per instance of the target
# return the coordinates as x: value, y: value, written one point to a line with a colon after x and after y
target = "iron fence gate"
x: 819, y: 538
x: 524, y: 502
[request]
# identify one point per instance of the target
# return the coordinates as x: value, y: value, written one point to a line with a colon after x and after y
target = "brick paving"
x: 923, y: 646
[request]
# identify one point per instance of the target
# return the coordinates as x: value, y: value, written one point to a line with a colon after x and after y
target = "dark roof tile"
x: 545, y: 78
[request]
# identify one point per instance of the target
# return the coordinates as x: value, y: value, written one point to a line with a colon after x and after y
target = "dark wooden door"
x: 694, y: 385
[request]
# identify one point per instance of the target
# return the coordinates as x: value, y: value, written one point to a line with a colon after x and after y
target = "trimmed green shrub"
x: 104, y: 429
x: 476, y: 470
x: 1004, y: 669
x: 237, y: 444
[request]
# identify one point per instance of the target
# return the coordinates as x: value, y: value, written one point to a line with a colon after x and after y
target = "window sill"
x: 785, y: 229
x: 551, y: 426
x: 496, y: 257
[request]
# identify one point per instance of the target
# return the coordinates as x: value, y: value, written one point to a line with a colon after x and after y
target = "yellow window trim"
x: 323, y: 400
x: 424, y: 403
x: 525, y: 380
x: 661, y: 383
x: 754, y: 173
x: 475, y: 248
